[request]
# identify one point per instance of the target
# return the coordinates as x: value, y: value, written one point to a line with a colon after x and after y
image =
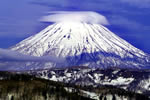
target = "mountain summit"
x: 81, y: 44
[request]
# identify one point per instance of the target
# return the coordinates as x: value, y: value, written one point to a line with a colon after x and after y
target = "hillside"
x: 25, y: 87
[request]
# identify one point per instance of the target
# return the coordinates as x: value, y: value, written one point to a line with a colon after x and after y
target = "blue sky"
x: 129, y: 19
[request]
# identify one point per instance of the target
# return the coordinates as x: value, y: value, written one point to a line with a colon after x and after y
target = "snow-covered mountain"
x: 84, y: 44
x: 81, y: 44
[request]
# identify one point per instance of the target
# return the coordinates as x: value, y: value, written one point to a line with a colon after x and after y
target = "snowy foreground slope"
x: 132, y: 80
x: 81, y: 44
x: 15, y: 86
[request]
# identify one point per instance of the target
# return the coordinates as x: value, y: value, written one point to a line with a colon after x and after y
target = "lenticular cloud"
x: 80, y: 16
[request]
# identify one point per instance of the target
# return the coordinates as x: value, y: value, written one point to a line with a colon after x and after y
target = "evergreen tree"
x: 114, y: 98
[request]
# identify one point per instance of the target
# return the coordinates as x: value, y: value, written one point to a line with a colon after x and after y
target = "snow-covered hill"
x: 133, y: 80
x: 24, y: 88
x: 81, y: 44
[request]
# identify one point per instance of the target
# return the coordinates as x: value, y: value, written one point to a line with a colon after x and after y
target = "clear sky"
x: 129, y: 19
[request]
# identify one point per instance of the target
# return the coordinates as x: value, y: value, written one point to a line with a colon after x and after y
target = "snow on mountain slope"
x: 81, y: 44
x: 76, y: 36
x: 133, y: 80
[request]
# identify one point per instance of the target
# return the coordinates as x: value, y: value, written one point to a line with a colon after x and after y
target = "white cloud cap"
x: 74, y: 16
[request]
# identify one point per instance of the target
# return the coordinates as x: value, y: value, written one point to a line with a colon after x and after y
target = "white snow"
x: 97, y: 75
x: 119, y: 81
x: 53, y: 78
x: 68, y: 74
x: 115, y: 72
x: 145, y: 84
x: 52, y: 72
x: 91, y: 95
x: 1, y: 78
x: 69, y: 89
